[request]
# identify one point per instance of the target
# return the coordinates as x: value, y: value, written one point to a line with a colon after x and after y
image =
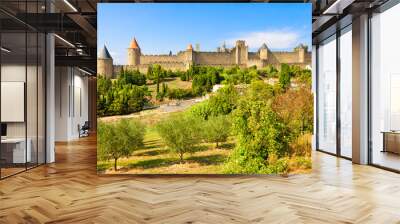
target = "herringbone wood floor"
x: 69, y: 191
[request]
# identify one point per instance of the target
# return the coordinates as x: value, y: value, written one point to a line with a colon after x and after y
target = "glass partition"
x: 14, y: 155
x: 22, y: 91
x: 327, y: 95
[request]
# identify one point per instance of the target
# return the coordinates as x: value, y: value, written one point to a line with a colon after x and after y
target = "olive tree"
x: 217, y: 129
x: 180, y: 133
x: 119, y: 139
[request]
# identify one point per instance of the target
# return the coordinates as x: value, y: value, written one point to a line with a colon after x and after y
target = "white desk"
x: 19, y: 154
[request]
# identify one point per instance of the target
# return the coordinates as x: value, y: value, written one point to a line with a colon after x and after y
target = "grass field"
x: 154, y: 158
x: 173, y: 83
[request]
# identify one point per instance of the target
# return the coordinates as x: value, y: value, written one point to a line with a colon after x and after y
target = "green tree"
x: 133, y: 77
x: 119, y: 139
x: 224, y: 101
x: 284, y: 77
x: 126, y: 94
x: 156, y: 73
x: 204, y: 78
x: 217, y: 129
x: 260, y: 91
x: 261, y: 133
x: 164, y: 91
x: 295, y: 108
x: 305, y: 78
x: 180, y: 134
x: 104, y: 86
x: 202, y: 110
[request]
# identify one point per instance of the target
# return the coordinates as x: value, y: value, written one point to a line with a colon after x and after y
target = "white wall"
x: 71, y: 94
x: 62, y: 82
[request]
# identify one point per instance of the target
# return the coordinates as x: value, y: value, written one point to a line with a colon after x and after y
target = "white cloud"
x: 116, y: 57
x: 275, y: 39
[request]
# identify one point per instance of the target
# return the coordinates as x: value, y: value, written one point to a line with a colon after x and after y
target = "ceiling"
x: 73, y: 21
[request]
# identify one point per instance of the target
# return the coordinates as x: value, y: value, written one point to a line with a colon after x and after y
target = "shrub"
x: 278, y: 165
x: 119, y: 139
x: 222, y: 102
x: 180, y: 133
x: 179, y: 94
x: 240, y: 76
x: 300, y: 162
x: 269, y: 72
x: 301, y: 146
x: 295, y: 108
x: 244, y: 161
x: 305, y: 77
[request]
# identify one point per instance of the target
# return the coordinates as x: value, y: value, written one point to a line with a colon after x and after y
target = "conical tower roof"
x: 134, y: 44
x: 104, y: 54
x: 190, y: 47
x: 263, y: 46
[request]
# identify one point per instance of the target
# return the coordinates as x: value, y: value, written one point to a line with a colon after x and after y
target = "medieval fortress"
x: 223, y: 57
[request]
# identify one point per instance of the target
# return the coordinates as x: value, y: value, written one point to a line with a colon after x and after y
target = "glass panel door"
x: 385, y: 89
x: 346, y: 92
x: 327, y: 95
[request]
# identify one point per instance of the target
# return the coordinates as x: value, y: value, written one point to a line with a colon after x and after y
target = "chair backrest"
x: 86, y: 125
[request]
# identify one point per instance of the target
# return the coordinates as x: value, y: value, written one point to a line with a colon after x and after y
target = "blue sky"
x: 160, y: 28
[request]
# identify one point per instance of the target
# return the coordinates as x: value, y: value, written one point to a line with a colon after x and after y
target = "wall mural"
x: 204, y: 89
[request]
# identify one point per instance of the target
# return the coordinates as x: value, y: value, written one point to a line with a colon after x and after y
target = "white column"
x: 314, y: 91
x: 360, y: 90
x: 50, y: 100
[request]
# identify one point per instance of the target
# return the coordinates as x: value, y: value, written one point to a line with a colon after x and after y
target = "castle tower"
x: 241, y: 53
x: 301, y: 51
x: 189, y: 56
x: 134, y: 53
x: 105, y: 63
x: 263, y: 51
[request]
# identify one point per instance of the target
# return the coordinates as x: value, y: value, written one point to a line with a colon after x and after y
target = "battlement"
x: 223, y: 57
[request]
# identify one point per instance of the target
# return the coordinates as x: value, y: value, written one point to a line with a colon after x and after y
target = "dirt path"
x: 162, y: 109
